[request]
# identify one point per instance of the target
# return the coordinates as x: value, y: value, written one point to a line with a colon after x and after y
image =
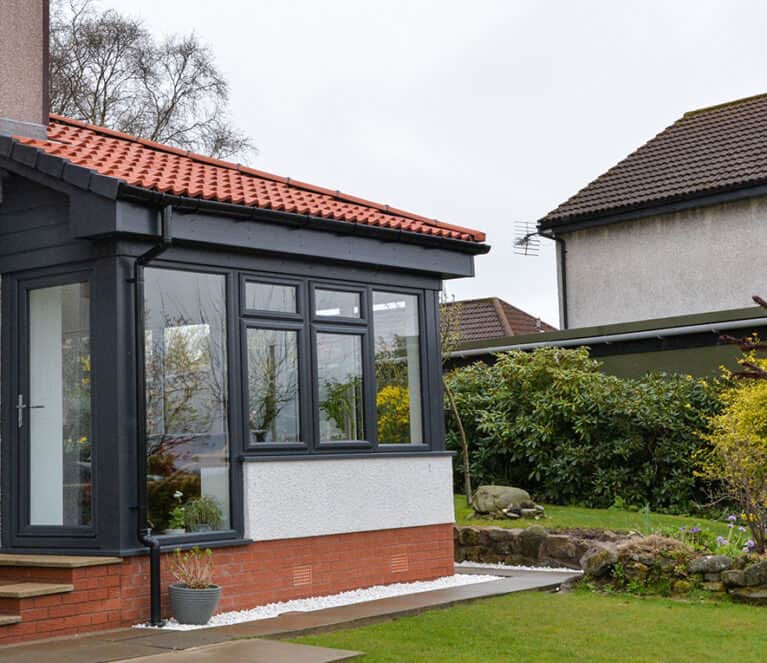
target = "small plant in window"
x: 203, y: 514
x: 176, y: 520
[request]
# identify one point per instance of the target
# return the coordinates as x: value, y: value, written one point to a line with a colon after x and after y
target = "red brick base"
x: 112, y: 596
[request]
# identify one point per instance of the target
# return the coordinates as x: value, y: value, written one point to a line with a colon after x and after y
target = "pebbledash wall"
x: 682, y: 263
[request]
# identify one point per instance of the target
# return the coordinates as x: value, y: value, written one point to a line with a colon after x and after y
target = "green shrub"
x: 551, y: 422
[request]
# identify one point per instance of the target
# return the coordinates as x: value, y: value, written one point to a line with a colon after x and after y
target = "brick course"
x: 114, y: 596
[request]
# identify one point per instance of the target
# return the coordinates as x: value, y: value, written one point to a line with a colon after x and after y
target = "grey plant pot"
x: 193, y: 606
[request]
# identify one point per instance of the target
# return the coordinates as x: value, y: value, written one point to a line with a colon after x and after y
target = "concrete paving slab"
x: 253, y: 651
x: 139, y: 644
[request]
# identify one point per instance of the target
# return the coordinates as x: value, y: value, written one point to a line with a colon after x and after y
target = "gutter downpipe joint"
x: 144, y: 533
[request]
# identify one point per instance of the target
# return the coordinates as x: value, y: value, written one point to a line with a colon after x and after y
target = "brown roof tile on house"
x: 161, y: 168
x: 705, y: 152
x: 491, y: 317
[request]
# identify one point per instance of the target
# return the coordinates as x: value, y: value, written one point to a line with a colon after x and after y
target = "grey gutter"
x: 615, y: 338
x: 184, y: 203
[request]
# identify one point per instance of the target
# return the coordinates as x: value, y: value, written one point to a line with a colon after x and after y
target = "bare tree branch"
x: 107, y: 69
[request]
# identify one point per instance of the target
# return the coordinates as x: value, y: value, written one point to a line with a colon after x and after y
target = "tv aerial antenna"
x: 527, y: 241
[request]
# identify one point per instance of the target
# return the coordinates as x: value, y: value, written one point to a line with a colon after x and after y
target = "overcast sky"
x: 481, y: 113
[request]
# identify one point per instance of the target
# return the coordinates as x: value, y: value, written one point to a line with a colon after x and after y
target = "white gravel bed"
x: 544, y: 569
x: 332, y: 601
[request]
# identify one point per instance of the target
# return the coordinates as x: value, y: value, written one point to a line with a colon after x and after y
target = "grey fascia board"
x: 615, y: 338
x: 304, y: 241
x: 553, y: 228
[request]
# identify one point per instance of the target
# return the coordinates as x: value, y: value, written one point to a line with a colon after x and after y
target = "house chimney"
x: 24, y: 68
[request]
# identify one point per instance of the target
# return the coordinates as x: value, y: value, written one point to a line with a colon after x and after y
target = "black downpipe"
x: 144, y: 531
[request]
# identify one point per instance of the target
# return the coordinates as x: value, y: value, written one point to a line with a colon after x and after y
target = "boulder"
x: 710, y: 564
x: 599, y: 559
x: 757, y: 595
x: 756, y: 574
x: 563, y: 550
x: 529, y: 541
x: 500, y: 499
x: 734, y: 578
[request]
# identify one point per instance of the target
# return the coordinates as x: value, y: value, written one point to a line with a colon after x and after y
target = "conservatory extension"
x: 214, y: 355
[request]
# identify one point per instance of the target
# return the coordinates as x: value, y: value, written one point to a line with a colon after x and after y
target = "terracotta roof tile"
x: 491, y: 317
x: 149, y: 165
x: 706, y: 151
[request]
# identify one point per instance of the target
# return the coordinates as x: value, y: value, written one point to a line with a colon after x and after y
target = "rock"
x: 710, y: 564
x: 529, y: 513
x: 598, y: 560
x: 756, y: 595
x: 734, y: 578
x: 563, y: 550
x: 469, y: 536
x: 529, y: 542
x: 713, y: 586
x: 495, y: 499
x: 712, y: 577
x: 756, y: 574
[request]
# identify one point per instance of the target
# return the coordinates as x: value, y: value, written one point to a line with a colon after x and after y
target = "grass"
x: 558, y: 517
x: 578, y: 626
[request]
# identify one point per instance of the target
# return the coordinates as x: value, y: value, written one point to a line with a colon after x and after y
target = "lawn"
x: 558, y: 517
x: 578, y: 626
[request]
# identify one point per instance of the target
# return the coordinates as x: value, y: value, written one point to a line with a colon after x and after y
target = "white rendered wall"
x: 291, y: 499
x: 694, y: 261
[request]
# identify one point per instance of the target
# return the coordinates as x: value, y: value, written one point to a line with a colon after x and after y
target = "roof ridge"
x: 724, y: 104
x: 338, y: 195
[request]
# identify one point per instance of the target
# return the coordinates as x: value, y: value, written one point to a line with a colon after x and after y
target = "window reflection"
x: 186, y: 401
x: 270, y: 297
x: 273, y: 413
x: 398, y: 368
x: 339, y: 374
x: 336, y: 303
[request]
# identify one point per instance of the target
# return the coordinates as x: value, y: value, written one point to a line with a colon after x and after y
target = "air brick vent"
x: 399, y: 563
x: 302, y: 575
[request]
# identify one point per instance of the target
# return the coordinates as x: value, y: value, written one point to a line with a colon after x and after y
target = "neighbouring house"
x: 179, y: 330
x: 479, y: 321
x: 660, y: 256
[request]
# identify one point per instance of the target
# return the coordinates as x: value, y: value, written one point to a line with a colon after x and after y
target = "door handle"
x: 21, y: 406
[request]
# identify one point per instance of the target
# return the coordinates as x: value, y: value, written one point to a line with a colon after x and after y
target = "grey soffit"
x: 705, y: 152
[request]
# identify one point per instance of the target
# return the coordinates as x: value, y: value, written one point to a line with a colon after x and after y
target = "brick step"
x: 48, y: 568
x: 27, y: 590
x: 16, y: 597
x: 56, y: 561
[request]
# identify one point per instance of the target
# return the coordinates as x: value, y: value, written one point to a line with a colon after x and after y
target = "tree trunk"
x: 464, y: 443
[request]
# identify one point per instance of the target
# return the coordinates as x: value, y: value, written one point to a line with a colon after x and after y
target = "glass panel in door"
x: 59, y: 407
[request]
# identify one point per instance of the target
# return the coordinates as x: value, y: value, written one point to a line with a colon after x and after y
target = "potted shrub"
x: 203, y: 514
x: 193, y: 597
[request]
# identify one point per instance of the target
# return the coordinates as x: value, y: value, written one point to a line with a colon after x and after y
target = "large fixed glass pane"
x: 273, y: 412
x: 398, y: 368
x: 336, y: 303
x: 339, y: 376
x: 60, y: 441
x: 270, y: 297
x: 186, y: 401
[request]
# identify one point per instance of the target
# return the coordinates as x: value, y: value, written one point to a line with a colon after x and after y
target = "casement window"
x: 331, y: 366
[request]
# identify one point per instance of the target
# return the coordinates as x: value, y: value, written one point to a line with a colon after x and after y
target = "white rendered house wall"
x: 694, y: 261
x: 298, y: 498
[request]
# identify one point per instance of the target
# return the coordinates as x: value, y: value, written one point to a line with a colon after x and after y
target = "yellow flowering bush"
x: 738, y: 454
x: 393, y: 404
